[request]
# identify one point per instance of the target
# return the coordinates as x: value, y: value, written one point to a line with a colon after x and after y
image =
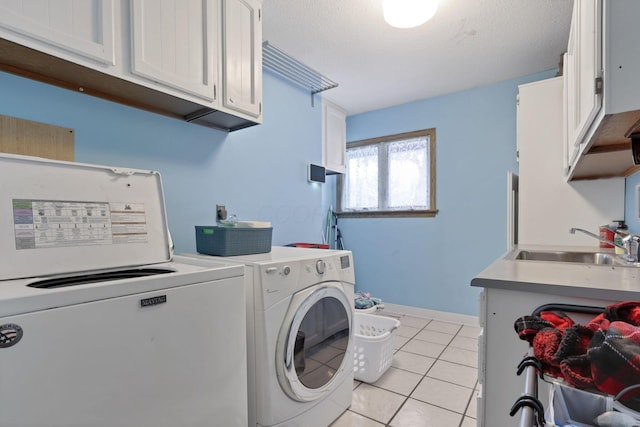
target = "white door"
x: 313, y: 349
x: 126, y: 363
x: 242, y: 56
x: 83, y: 28
x: 174, y: 43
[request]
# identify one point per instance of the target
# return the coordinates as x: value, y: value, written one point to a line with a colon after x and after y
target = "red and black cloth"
x: 615, y: 357
x: 527, y: 327
x: 604, y: 354
x: 627, y: 311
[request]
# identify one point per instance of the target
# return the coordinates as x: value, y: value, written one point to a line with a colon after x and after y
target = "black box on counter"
x: 230, y: 241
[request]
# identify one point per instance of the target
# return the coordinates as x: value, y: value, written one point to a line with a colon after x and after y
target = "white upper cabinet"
x: 194, y: 60
x: 72, y: 29
x: 583, y: 69
x: 602, y: 94
x: 242, y: 56
x: 334, y: 137
x: 174, y: 43
x: 571, y: 149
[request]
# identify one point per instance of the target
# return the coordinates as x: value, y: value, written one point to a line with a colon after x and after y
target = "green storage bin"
x: 230, y: 241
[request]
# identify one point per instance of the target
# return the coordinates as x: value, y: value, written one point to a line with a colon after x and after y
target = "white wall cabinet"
x: 548, y: 205
x: 334, y: 137
x: 242, y: 56
x: 174, y: 43
x: 602, y: 96
x: 583, y: 69
x: 171, y: 57
x: 74, y: 30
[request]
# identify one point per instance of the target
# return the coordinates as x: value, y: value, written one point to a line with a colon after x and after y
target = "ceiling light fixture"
x: 408, y: 13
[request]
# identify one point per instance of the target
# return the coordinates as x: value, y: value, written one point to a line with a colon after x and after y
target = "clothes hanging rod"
x: 280, y: 62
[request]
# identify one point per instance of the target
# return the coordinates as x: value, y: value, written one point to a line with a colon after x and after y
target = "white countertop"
x: 561, y: 278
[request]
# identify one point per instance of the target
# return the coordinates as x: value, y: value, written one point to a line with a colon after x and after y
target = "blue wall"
x: 429, y: 262
x: 631, y: 204
x: 259, y: 173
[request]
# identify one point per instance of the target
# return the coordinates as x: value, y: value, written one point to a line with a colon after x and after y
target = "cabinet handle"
x: 230, y: 101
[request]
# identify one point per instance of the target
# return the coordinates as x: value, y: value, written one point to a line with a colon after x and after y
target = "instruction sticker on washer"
x: 54, y: 223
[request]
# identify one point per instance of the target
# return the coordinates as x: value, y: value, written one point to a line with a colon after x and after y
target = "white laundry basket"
x: 373, y: 345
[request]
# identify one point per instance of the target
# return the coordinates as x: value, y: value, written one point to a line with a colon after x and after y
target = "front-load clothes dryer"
x: 99, y: 324
x: 299, y: 335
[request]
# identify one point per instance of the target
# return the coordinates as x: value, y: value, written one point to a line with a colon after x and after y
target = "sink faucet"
x: 629, y: 243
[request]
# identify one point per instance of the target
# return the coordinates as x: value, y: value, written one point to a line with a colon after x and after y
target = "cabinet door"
x: 503, y: 350
x: 334, y: 137
x: 174, y: 43
x: 61, y: 27
x: 242, y: 56
x: 570, y: 148
x: 584, y: 68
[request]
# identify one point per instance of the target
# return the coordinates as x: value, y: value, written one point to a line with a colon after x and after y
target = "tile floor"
x: 431, y: 382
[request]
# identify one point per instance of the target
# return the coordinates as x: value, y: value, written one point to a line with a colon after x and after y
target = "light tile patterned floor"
x: 431, y: 383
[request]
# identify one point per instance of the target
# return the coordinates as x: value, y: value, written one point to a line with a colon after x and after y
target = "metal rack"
x: 280, y: 62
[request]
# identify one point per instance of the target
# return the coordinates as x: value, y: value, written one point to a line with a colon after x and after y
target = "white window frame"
x: 382, y: 172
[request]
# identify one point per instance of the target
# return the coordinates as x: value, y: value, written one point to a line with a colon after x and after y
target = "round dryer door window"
x: 313, y: 349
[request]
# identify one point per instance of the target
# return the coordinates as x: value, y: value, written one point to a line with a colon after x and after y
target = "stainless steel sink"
x: 597, y: 258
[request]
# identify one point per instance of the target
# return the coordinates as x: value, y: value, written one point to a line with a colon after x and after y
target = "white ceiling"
x: 468, y: 43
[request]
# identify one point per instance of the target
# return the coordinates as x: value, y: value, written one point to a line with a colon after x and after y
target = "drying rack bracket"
x: 280, y: 62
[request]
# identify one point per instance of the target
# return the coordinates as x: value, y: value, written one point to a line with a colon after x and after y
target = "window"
x: 393, y: 175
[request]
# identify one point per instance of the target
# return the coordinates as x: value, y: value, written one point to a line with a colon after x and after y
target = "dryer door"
x: 314, y: 349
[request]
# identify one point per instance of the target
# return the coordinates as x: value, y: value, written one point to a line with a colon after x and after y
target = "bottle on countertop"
x: 621, y: 232
x: 607, y: 232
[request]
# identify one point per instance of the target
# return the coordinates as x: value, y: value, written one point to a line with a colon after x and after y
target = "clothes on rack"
x: 604, y: 354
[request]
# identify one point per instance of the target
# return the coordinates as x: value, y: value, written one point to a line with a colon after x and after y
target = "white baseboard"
x: 432, y: 314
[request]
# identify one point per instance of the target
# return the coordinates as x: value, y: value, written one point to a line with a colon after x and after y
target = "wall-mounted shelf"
x: 280, y: 62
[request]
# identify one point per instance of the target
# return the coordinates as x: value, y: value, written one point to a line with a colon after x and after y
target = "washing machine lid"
x: 19, y: 296
x: 62, y: 217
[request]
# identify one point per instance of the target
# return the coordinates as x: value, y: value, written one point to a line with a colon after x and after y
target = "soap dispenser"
x: 621, y: 232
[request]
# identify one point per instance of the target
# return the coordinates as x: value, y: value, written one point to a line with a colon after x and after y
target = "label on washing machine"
x: 57, y: 223
x: 10, y: 334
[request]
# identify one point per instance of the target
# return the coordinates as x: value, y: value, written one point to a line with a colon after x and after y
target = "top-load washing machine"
x: 299, y: 335
x: 99, y: 325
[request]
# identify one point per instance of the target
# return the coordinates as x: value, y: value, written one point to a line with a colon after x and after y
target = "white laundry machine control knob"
x: 271, y: 269
x: 286, y: 270
x: 320, y: 266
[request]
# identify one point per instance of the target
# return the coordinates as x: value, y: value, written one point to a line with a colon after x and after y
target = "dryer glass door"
x: 316, y: 349
x: 321, y: 342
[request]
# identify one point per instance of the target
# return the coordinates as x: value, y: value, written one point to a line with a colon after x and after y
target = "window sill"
x: 389, y: 214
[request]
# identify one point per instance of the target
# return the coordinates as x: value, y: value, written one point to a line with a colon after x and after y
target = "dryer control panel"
x: 345, y: 261
x: 280, y: 280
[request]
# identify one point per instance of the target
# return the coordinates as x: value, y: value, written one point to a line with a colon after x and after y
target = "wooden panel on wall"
x: 25, y: 137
